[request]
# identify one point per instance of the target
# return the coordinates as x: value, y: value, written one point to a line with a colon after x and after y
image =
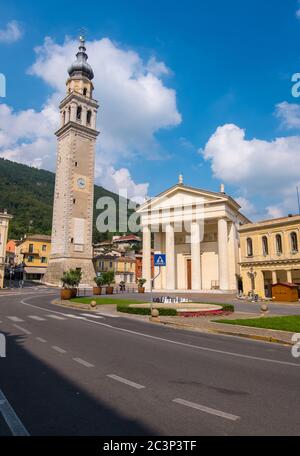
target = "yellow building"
x: 34, y: 251
x: 4, y: 224
x: 270, y: 254
x: 123, y: 267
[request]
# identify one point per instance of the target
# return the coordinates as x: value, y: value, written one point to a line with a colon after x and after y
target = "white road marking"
x: 83, y: 362
x: 58, y: 349
x: 76, y: 317
x: 15, y: 319
x: 25, y: 331
x: 35, y: 317
x: 12, y: 420
x: 182, y: 344
x: 127, y: 382
x: 55, y: 317
x: 40, y: 339
x: 203, y: 408
x: 106, y: 314
x: 91, y: 315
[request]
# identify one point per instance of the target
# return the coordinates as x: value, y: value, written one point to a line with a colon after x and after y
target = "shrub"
x: 145, y: 311
x: 141, y: 282
x: 71, y: 278
x: 227, y: 307
x: 108, y: 278
x: 99, y: 280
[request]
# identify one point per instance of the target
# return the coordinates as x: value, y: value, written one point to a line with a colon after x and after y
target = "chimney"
x: 222, y: 188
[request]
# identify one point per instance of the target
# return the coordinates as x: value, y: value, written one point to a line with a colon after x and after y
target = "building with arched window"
x: 275, y: 256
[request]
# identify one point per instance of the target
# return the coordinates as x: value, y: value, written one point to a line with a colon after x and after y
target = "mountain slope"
x: 27, y: 194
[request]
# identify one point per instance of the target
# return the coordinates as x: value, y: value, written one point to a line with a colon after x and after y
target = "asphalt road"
x: 67, y: 373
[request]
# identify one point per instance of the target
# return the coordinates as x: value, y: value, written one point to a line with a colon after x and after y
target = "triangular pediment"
x: 181, y: 195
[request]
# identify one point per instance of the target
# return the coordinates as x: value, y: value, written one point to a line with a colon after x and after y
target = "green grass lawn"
x: 289, y: 323
x: 106, y: 300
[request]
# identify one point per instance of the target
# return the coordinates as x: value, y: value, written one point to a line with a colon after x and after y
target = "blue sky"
x: 227, y: 63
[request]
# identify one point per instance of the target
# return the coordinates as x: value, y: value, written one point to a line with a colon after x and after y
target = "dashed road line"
x: 203, y: 408
x: 55, y: 317
x: 83, y: 362
x: 25, y: 331
x: 91, y: 316
x: 40, y: 339
x: 58, y: 349
x: 35, y: 317
x: 106, y: 314
x: 175, y: 342
x: 76, y: 317
x: 126, y: 381
x: 15, y: 319
x: 14, y: 423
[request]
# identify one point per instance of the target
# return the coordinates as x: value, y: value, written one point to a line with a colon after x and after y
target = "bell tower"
x: 72, y: 224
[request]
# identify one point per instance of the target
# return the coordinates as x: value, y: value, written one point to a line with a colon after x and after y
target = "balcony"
x: 34, y: 251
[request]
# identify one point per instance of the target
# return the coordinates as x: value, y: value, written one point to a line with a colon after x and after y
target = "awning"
x: 33, y: 270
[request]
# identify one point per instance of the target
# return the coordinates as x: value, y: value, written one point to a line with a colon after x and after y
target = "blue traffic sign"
x: 160, y: 259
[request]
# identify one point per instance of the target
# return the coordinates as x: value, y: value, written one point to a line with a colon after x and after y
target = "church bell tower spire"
x: 74, y: 185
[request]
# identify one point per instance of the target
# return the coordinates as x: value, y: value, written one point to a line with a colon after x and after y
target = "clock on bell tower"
x: 71, y: 245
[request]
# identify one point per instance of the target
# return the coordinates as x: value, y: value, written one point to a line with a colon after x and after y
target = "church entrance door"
x: 189, y: 274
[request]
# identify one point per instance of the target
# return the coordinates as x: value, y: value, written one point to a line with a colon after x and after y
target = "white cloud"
x: 247, y: 207
x: 134, y: 105
x: 11, y: 33
x: 256, y: 167
x: 289, y: 114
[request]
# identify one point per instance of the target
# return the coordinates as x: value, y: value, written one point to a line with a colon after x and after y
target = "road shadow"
x: 48, y: 404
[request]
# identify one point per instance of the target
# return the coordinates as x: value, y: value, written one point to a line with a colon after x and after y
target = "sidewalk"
x: 208, y: 324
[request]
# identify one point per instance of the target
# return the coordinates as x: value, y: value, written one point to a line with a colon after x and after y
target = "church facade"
x: 198, y: 231
x: 71, y: 244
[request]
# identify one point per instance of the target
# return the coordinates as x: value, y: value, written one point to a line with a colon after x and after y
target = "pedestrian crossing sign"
x: 160, y: 259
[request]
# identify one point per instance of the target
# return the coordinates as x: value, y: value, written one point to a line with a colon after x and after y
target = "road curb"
x: 228, y: 333
x: 58, y: 302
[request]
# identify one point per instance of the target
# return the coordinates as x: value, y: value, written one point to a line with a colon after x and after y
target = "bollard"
x: 93, y: 304
x: 264, y: 310
x: 154, y: 315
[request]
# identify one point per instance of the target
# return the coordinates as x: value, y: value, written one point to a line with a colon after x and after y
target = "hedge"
x: 163, y: 311
x: 145, y: 310
x: 227, y: 307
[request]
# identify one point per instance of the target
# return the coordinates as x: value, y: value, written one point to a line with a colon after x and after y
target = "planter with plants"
x: 97, y: 290
x: 108, y: 280
x: 141, y: 283
x: 70, y: 282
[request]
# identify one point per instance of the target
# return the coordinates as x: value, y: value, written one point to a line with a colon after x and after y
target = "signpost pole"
x: 159, y: 261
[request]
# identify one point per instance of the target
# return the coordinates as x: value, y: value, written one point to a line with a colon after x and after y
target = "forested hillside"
x: 27, y: 194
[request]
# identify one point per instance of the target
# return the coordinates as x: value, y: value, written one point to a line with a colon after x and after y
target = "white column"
x: 73, y: 112
x: 289, y: 276
x: 147, y: 255
x: 158, y: 249
x: 274, y: 277
x: 196, y: 255
x: 94, y: 119
x: 68, y: 115
x: 223, y: 254
x: 170, y: 251
x: 83, y: 115
x: 232, y: 256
